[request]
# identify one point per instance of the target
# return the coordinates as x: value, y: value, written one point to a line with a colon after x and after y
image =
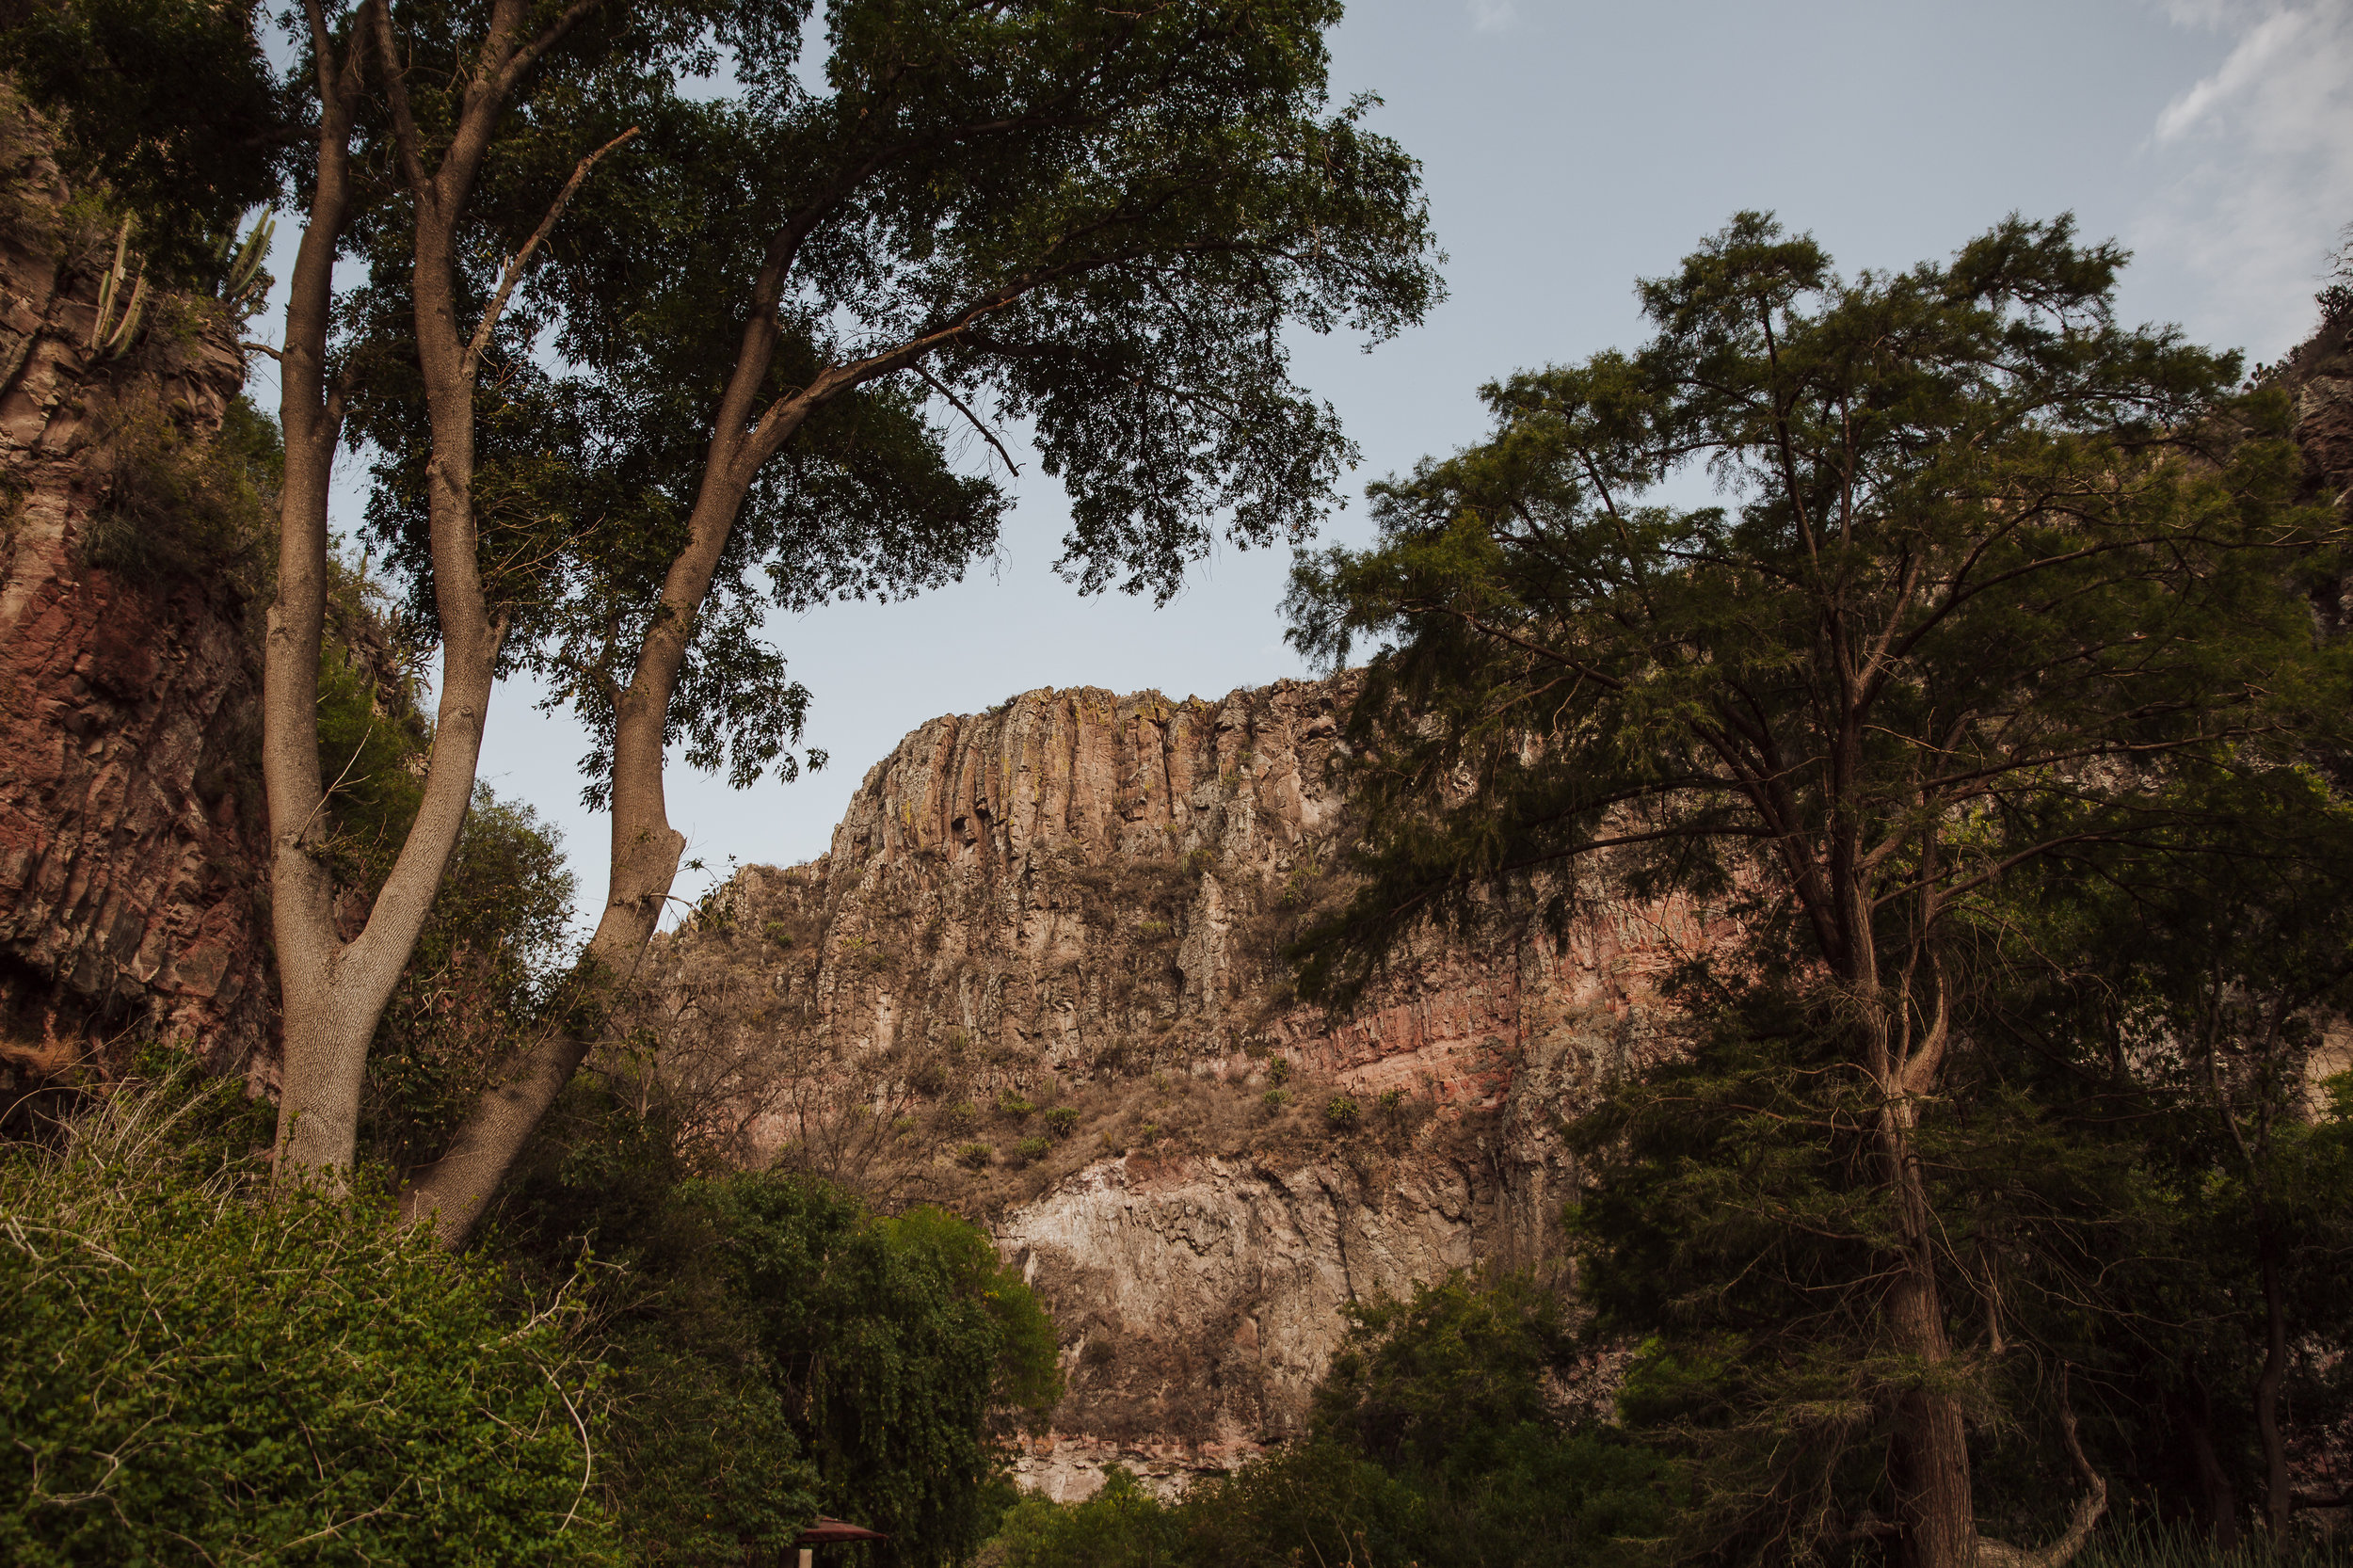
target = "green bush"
x: 1431, y: 1444
x: 1063, y: 1120
x: 974, y: 1156
x: 200, y: 1370
x: 895, y: 1344
x: 1012, y: 1105
x: 1122, y: 1525
x: 1340, y: 1111
x: 1033, y: 1148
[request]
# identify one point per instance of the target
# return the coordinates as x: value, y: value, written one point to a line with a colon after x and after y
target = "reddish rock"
x: 130, y: 826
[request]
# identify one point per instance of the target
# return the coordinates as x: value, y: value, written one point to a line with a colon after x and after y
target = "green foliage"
x: 206, y: 1372
x: 1013, y: 1106
x: 1996, y: 500
x: 1434, y: 1442
x: 1063, y: 1120
x: 899, y: 1341
x: 1033, y: 1148
x: 1422, y: 1380
x: 488, y: 965
x: 974, y: 1156
x: 775, y: 1347
x: 1094, y: 223
x: 700, y: 1458
x: 1340, y: 1113
x: 180, y: 509
x: 170, y: 102
x: 1122, y: 1525
x: 1995, y: 588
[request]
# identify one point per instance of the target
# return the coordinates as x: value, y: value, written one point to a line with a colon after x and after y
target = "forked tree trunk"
x: 334, y: 991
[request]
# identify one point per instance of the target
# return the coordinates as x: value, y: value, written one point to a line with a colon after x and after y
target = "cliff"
x: 131, y: 836
x: 1038, y: 976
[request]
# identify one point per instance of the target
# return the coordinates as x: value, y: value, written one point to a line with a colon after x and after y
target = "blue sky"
x: 1569, y: 148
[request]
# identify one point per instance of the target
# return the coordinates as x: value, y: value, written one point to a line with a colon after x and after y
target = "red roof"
x: 826, y: 1531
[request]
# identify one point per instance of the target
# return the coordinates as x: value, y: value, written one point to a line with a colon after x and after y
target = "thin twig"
x: 957, y: 403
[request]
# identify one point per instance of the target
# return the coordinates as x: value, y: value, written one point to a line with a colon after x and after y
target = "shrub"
x: 1032, y: 1150
x: 182, y: 509
x: 1340, y: 1111
x: 1063, y: 1120
x: 1279, y: 1070
x: 1012, y: 1105
x: 201, y: 1370
x: 974, y: 1156
x: 1122, y: 1525
x: 1274, y: 1099
x: 961, y: 1116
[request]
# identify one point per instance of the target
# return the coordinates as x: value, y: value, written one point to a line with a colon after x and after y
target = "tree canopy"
x: 1991, y: 576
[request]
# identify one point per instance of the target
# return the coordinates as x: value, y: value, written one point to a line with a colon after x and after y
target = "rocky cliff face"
x: 130, y: 836
x: 1038, y: 975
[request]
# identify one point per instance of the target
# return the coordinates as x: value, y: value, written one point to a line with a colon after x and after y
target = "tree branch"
x: 516, y: 262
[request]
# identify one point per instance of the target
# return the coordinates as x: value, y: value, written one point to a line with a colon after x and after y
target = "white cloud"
x: 2259, y: 159
x: 1492, y: 16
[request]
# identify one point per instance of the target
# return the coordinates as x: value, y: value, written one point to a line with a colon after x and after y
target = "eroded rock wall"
x: 131, y: 840
x: 1073, y: 907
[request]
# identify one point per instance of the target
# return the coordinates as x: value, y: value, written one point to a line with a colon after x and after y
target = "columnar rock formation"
x: 130, y: 836
x: 1078, y: 900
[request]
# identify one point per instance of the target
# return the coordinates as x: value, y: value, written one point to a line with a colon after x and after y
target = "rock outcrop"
x: 131, y: 841
x: 1038, y: 974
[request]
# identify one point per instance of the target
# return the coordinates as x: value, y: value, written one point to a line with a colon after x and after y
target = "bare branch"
x: 516, y: 262
x: 986, y: 433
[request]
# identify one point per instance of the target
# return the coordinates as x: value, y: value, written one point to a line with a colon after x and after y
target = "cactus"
x: 110, y: 334
x: 244, y: 269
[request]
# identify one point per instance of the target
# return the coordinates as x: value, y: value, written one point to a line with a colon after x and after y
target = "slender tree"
x: 1991, y: 571
x: 765, y: 338
x: 335, y: 987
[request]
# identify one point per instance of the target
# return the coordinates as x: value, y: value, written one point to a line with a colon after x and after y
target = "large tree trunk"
x: 452, y: 1193
x: 334, y: 990
x: 2279, y: 1493
x: 1934, y: 1501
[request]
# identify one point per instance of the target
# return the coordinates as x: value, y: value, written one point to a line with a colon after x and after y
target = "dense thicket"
x: 200, y: 1373
x: 775, y: 1346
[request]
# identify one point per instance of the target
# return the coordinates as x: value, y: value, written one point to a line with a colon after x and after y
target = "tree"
x: 897, y: 1345
x: 1096, y: 220
x: 2192, y: 977
x: 1993, y: 573
x: 334, y: 989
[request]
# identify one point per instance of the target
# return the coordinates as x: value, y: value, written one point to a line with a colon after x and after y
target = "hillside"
x: 1038, y: 976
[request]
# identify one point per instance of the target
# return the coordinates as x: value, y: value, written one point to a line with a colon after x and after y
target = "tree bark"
x: 2279, y: 1493
x: 335, y: 991
x: 2217, y: 1499
x: 451, y: 1194
x: 1930, y: 1457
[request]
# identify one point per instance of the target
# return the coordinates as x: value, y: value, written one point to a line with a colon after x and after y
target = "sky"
x: 1568, y: 148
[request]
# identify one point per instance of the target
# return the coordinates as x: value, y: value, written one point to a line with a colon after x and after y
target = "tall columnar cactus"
x: 111, y: 333
x: 243, y: 281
